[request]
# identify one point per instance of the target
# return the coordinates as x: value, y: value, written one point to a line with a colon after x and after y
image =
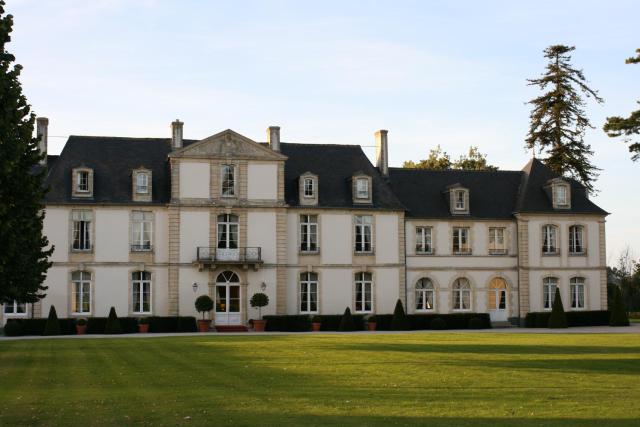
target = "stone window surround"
x: 555, y: 184
x: 92, y: 231
x: 152, y: 301
x: 456, y: 189
x: 354, y: 189
x: 433, y: 240
x: 585, y: 294
x: 141, y: 197
x: 472, y: 294
x: 558, y: 240
x: 584, y: 239
x: 92, y: 281
x: 299, y: 237
x: 299, y: 291
x: 153, y: 230
x: 435, y: 295
x: 373, y: 234
x: 505, y: 235
x: 75, y: 193
x: 373, y: 291
x: 308, y: 200
x: 469, y: 228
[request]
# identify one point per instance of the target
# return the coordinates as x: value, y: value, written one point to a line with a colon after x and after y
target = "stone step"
x: 231, y: 328
x: 502, y: 324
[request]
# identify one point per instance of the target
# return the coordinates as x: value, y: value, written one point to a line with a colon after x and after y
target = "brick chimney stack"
x: 382, y: 152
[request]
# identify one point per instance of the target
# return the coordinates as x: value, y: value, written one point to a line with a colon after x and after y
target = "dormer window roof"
x: 560, y: 192
x: 362, y: 188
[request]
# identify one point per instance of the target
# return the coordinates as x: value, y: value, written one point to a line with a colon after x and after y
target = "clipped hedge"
x: 37, y: 326
x: 288, y: 323
x: 574, y: 318
x: 159, y: 324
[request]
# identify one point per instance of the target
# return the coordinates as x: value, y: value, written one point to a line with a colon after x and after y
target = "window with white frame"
x: 309, y: 187
x: 549, y: 239
x: 141, y: 231
x: 81, y: 230
x: 228, y: 180
x: 309, y: 233
x: 141, y: 287
x: 81, y: 292
x: 308, y: 292
x: 561, y: 195
x: 576, y: 239
x: 228, y: 227
x: 425, y: 295
x: 461, y: 294
x: 142, y: 183
x: 364, y: 292
x: 576, y: 287
x: 549, y: 286
x: 15, y: 308
x: 363, y: 225
x: 460, y: 203
x: 82, y: 181
x: 424, y: 240
x: 461, y: 243
x: 497, y: 244
x: 362, y: 188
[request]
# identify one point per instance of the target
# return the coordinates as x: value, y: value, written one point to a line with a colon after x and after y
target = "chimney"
x: 273, y: 137
x: 382, y: 152
x: 176, y: 134
x: 42, y: 131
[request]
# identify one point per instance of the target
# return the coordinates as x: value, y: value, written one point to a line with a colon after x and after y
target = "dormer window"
x: 460, y: 204
x: 142, y: 183
x: 82, y: 183
x: 458, y: 199
x: 361, y: 188
x: 560, y: 193
x: 309, y: 188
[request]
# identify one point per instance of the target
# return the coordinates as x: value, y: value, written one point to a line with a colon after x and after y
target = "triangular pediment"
x: 228, y: 145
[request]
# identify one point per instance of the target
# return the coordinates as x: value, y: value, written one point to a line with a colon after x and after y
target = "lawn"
x: 384, y: 379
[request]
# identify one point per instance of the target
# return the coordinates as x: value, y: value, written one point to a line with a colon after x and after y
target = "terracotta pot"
x: 81, y: 329
x: 258, y: 325
x: 203, y: 325
x: 371, y: 326
x: 143, y: 328
x: 315, y: 326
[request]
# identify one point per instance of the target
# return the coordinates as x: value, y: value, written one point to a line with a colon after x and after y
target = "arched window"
x: 549, y: 239
x: 497, y: 294
x: 576, y: 287
x: 576, y: 239
x: 308, y: 292
x: 141, y: 286
x: 81, y: 292
x: 364, y: 292
x: 461, y: 294
x: 425, y: 295
x: 549, y: 286
x: 227, y: 277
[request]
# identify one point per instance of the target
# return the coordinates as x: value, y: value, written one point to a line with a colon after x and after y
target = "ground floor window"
x: 364, y: 286
x: 141, y: 281
x: 425, y: 295
x: 549, y: 286
x: 308, y: 292
x: 15, y: 308
x: 461, y: 294
x: 81, y: 292
x: 577, y: 292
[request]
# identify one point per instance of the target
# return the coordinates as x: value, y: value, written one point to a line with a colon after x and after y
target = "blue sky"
x: 432, y: 72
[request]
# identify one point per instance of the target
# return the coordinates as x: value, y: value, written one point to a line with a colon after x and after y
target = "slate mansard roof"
x: 419, y: 192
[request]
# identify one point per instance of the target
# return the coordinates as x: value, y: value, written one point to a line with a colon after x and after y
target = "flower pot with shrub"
x: 316, y: 323
x: 143, y: 325
x: 371, y: 323
x: 81, y: 326
x: 259, y: 300
x: 204, y: 304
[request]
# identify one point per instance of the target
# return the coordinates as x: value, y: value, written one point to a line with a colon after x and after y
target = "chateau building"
x: 147, y: 225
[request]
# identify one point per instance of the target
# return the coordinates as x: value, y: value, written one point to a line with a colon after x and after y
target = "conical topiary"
x: 558, y: 318
x: 52, y: 327
x: 618, y: 312
x: 399, y: 321
x: 113, y: 323
x: 346, y: 322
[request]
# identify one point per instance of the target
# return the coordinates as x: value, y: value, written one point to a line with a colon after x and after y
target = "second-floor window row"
x: 308, y: 233
x: 363, y: 225
x: 82, y: 230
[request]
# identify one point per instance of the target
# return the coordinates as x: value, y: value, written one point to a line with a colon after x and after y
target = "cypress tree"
x: 52, y: 327
x: 23, y: 258
x: 618, y: 310
x: 346, y: 322
x: 558, y: 119
x: 113, y: 323
x: 558, y: 318
x: 399, y: 321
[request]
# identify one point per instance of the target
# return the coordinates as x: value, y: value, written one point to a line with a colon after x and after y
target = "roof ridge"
x: 134, y: 138
x: 321, y: 144
x: 457, y: 170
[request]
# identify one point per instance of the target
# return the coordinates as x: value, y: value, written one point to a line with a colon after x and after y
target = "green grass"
x: 341, y: 380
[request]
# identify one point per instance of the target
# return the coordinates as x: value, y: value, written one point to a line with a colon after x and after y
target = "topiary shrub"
x: 438, y: 324
x: 618, y: 312
x: 400, y: 321
x: 204, y: 304
x: 13, y: 329
x: 113, y: 323
x: 558, y: 318
x: 53, y: 326
x: 346, y: 322
x: 259, y: 300
x: 477, y: 323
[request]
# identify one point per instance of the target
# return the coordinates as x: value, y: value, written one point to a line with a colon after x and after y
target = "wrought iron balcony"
x: 208, y: 255
x: 142, y: 248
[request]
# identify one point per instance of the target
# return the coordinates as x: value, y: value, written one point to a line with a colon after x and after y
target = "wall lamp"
x: 195, y: 287
x: 263, y: 286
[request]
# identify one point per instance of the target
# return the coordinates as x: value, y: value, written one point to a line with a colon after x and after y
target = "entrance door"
x: 228, y: 299
x: 497, y: 303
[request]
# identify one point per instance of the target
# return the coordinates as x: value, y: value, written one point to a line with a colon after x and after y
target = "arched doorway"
x: 497, y: 303
x: 228, y: 299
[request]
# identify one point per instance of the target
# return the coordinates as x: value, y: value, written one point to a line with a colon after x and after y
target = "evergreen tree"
x: 440, y: 160
x: 558, y: 318
x: 628, y: 126
x: 23, y: 257
x: 399, y: 321
x: 346, y: 322
x: 558, y: 119
x: 618, y: 311
x: 52, y: 327
x: 113, y: 323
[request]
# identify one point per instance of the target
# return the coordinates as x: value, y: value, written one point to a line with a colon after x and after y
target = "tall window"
x: 141, y: 231
x: 576, y: 239
x: 309, y: 187
x: 363, y: 233
x: 308, y: 233
x: 459, y: 198
x: 82, y: 181
x: 561, y: 195
x: 141, y: 281
x: 461, y: 295
x: 549, y: 286
x: 461, y: 240
x: 362, y: 188
x: 425, y: 295
x: 423, y: 240
x: 142, y: 183
x: 496, y: 241
x: 576, y: 287
x: 81, y: 230
x: 364, y: 286
x: 228, y: 181
x: 81, y: 292
x: 15, y: 308
x: 227, y: 231
x: 308, y: 292
x: 549, y: 239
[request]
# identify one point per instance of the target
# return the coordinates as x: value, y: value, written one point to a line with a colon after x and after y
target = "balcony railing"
x: 210, y: 255
x: 141, y: 248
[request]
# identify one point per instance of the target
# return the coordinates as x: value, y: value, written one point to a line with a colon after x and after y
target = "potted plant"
x: 81, y: 326
x: 259, y: 300
x: 143, y: 325
x: 316, y: 323
x: 371, y: 323
x: 204, y: 304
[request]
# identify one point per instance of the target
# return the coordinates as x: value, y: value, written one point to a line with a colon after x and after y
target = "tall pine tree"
x: 627, y: 126
x: 23, y: 254
x: 558, y: 119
